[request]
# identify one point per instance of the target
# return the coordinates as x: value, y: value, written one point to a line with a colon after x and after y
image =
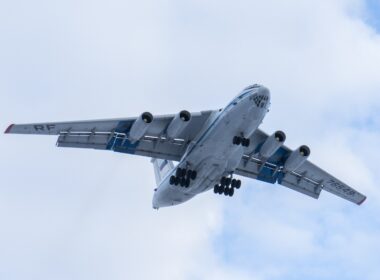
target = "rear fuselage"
x: 213, y: 154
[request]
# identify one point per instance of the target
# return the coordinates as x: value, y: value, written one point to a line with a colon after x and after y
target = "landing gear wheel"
x: 172, y: 180
x: 233, y: 183
x: 216, y: 189
x: 223, y: 181
x: 226, y: 191
x: 238, y: 184
x: 179, y: 172
x: 237, y: 140
x: 183, y: 173
x: 246, y: 142
x: 187, y: 184
x: 176, y: 182
x: 193, y: 175
x: 188, y: 174
x: 228, y: 182
x: 183, y: 182
x: 220, y: 189
x: 231, y: 192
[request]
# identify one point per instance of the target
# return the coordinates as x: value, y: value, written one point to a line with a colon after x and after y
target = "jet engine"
x: 272, y: 144
x: 297, y: 158
x: 178, y: 124
x: 140, y: 127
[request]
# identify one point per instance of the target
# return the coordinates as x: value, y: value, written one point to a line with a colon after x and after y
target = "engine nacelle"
x: 178, y: 124
x: 297, y: 158
x: 272, y: 144
x: 140, y: 127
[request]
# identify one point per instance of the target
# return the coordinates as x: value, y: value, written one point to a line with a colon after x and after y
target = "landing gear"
x: 236, y: 184
x: 245, y: 142
x: 183, y: 177
x: 227, y: 186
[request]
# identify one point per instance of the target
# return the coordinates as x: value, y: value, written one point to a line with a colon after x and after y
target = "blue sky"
x: 373, y: 7
x: 83, y: 214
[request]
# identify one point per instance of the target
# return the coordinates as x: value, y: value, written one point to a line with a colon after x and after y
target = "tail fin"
x: 161, y: 168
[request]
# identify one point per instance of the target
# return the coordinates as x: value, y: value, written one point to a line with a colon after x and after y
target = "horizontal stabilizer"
x: 161, y: 168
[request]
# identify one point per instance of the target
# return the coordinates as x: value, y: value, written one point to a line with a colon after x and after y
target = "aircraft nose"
x: 263, y: 91
x: 261, y: 97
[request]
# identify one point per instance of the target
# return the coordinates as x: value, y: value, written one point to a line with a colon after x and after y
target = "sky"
x: 85, y: 214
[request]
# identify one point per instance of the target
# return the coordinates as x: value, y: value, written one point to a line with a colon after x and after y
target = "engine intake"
x: 140, y: 126
x: 178, y: 124
x: 297, y: 158
x: 272, y: 144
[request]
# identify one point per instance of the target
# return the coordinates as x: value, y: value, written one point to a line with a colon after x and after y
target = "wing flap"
x: 301, y: 184
x: 330, y: 183
x: 98, y: 142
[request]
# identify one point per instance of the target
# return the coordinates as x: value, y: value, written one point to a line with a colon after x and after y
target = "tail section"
x: 161, y: 168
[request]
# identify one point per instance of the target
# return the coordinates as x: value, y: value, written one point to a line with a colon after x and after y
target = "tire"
x: 220, y: 190
x: 187, y: 183
x: 179, y: 172
x: 247, y: 142
x: 172, y: 180
x: 183, y: 182
x: 223, y: 181
x: 188, y: 173
x: 238, y: 184
x: 228, y: 182
x: 231, y: 192
x: 226, y: 191
x: 244, y: 142
x: 183, y: 173
x: 193, y: 175
x: 216, y: 189
x: 176, y: 182
x: 233, y: 183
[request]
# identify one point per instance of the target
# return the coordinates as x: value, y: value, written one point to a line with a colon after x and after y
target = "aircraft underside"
x: 212, y: 148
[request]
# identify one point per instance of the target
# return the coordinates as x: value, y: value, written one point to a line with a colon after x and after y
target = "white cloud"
x: 72, y: 214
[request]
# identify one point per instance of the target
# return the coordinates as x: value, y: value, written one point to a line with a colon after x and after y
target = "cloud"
x: 82, y: 214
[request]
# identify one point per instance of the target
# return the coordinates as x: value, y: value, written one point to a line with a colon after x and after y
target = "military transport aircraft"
x: 210, y: 146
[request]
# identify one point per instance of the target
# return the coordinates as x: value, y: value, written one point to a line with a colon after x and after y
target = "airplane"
x: 211, y: 147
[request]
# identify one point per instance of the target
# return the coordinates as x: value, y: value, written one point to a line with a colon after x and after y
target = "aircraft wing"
x: 112, y: 134
x: 308, y: 179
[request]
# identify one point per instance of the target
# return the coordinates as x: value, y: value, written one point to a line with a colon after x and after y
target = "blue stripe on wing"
x: 267, y: 175
x: 279, y: 158
x: 125, y: 146
x: 122, y: 145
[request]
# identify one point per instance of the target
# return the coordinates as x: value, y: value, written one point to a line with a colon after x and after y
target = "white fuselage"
x: 210, y: 154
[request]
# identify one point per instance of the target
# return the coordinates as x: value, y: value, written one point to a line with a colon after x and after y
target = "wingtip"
x: 361, y: 202
x: 8, y: 130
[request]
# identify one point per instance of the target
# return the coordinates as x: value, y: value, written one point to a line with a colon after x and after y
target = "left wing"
x: 308, y: 179
x: 112, y: 134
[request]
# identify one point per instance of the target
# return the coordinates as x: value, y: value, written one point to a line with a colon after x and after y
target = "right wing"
x: 308, y: 179
x: 112, y: 134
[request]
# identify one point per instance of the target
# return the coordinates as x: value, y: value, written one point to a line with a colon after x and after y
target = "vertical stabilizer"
x: 161, y: 168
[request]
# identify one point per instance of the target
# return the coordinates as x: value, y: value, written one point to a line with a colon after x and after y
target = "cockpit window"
x: 260, y: 100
